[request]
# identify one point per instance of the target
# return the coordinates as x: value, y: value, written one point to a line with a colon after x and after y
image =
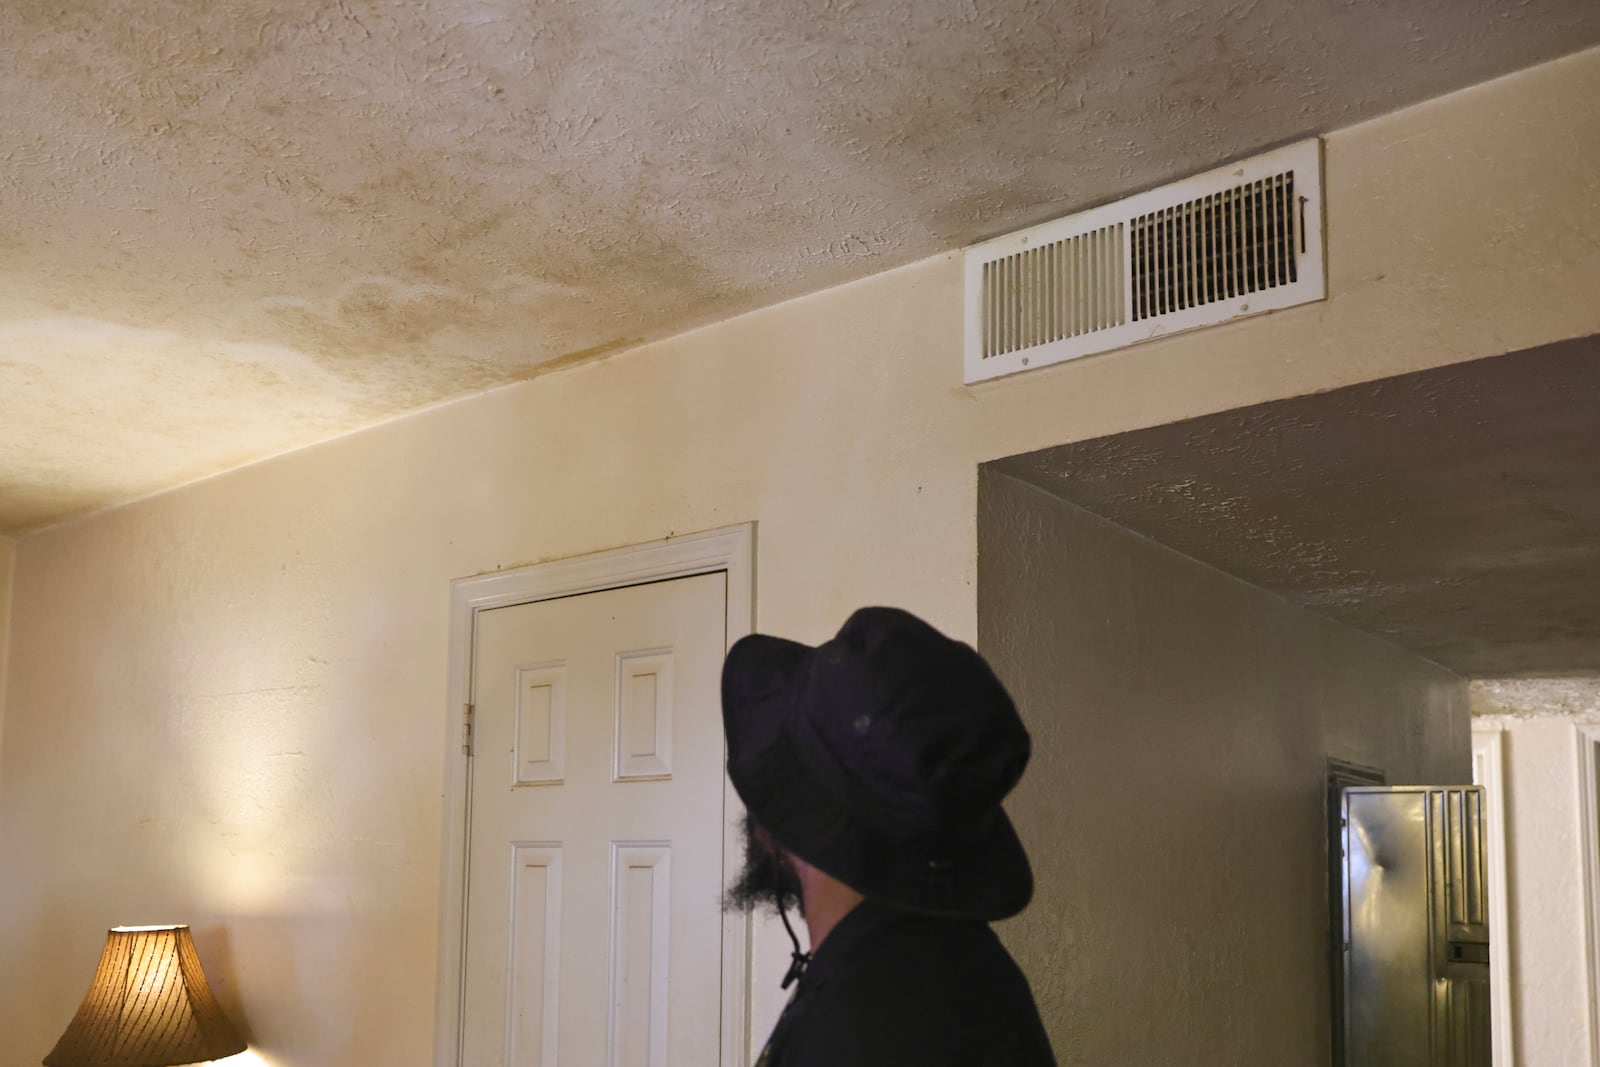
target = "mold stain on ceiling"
x: 229, y: 230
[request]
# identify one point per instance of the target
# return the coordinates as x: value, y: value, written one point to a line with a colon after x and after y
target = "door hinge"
x: 466, y: 729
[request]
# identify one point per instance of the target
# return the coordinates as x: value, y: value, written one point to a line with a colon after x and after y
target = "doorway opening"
x: 1195, y: 617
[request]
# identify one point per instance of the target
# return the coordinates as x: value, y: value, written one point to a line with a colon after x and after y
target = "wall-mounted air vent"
x: 1240, y: 240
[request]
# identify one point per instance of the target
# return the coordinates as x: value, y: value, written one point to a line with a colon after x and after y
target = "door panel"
x: 595, y: 845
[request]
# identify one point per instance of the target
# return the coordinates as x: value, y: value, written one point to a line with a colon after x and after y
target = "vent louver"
x: 1236, y: 241
x: 1063, y: 289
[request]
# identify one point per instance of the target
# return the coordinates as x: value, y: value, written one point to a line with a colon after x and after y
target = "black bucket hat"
x: 881, y: 758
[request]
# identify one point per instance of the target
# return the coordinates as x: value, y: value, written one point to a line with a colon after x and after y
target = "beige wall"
x: 8, y: 555
x: 1175, y: 808
x: 228, y: 703
x: 1544, y: 860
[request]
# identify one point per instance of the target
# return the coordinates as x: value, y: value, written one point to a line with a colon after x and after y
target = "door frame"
x: 1589, y: 828
x: 730, y: 549
x: 1488, y: 770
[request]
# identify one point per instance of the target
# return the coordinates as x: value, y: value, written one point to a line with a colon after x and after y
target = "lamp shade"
x: 149, y: 1006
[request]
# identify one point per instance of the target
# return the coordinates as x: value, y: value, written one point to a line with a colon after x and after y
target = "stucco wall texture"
x: 1175, y: 811
x: 226, y: 704
x: 1551, y: 1002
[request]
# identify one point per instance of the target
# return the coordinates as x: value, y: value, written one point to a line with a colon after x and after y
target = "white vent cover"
x: 1239, y: 240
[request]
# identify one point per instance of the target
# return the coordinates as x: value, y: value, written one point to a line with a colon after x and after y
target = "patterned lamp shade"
x: 149, y: 1006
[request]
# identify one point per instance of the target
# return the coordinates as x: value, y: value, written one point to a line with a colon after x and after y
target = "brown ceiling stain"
x: 582, y: 355
x: 305, y: 219
x: 1455, y: 512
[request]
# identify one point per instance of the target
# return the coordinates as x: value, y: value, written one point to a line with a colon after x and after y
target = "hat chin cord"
x: 798, y: 961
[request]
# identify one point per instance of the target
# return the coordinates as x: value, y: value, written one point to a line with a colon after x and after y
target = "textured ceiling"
x: 1455, y: 511
x: 231, y: 229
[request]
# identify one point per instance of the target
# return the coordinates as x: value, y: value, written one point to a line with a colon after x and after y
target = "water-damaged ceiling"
x: 1455, y: 512
x: 233, y: 229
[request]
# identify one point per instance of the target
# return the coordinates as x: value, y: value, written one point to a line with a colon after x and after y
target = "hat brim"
x: 985, y: 877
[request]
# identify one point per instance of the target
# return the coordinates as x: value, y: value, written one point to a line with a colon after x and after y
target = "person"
x: 872, y: 769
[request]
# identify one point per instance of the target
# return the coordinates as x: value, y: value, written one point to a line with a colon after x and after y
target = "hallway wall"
x: 1175, y: 808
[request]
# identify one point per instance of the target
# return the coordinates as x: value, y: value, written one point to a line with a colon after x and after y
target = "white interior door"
x: 595, y: 844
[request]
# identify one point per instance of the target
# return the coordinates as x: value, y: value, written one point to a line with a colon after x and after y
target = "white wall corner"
x: 1488, y: 771
x: 1589, y: 830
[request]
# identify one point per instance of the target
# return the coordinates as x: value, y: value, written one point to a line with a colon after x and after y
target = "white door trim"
x: 1488, y: 755
x: 1589, y: 827
x: 730, y: 549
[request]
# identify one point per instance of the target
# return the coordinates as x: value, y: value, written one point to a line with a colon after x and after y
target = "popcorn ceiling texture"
x: 1454, y: 511
x: 1506, y: 700
x: 234, y: 229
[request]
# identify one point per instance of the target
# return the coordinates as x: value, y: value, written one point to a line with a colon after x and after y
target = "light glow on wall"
x: 247, y: 1058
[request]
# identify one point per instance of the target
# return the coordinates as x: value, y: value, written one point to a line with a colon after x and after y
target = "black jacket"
x: 889, y: 988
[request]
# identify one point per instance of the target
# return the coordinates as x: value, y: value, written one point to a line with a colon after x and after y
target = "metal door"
x: 1416, y: 952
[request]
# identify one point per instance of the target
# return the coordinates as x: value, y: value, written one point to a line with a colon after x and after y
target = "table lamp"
x: 149, y: 1006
